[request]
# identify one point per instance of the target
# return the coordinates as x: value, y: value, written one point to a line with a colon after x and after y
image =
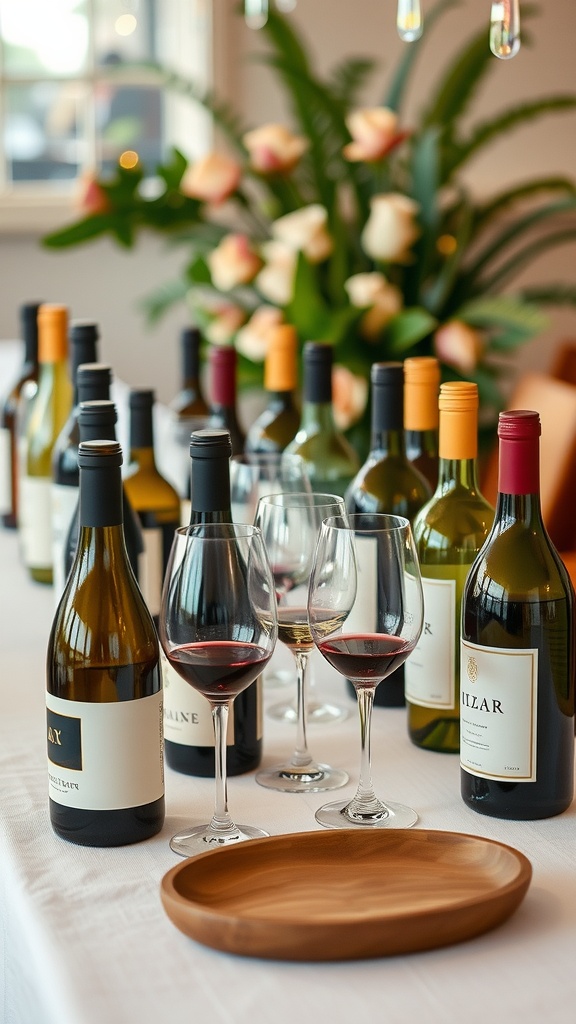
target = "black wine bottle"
x: 189, y: 401
x: 223, y: 409
x: 27, y: 376
x: 387, y: 482
x: 65, y: 472
x: 154, y: 500
x: 517, y: 649
x: 97, y: 421
x: 188, y: 729
x: 104, y: 691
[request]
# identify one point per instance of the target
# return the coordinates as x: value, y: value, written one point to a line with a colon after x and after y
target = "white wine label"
x: 498, y: 712
x: 5, y: 471
x: 104, y: 757
x: 36, y: 524
x: 363, y: 616
x: 64, y: 505
x: 151, y: 568
x: 430, y: 672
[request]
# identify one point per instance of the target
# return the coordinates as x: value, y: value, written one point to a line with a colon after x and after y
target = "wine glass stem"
x: 221, y: 820
x: 301, y: 757
x: 365, y: 794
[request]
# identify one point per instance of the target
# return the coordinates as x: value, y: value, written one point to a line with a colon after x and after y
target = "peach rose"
x: 391, y: 228
x: 374, y: 132
x: 274, y: 148
x: 459, y: 345
x: 227, y: 319
x: 305, y: 230
x: 253, y: 339
x: 91, y: 197
x: 276, y: 279
x: 233, y: 262
x: 349, y: 396
x: 382, y: 300
x: 212, y: 179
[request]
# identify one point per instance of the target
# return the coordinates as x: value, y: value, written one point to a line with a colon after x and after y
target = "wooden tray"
x: 342, y: 894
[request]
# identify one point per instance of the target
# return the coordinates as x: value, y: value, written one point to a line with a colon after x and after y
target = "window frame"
x: 33, y: 208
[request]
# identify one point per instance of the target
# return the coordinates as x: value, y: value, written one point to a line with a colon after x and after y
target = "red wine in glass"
x: 219, y: 667
x: 366, y: 656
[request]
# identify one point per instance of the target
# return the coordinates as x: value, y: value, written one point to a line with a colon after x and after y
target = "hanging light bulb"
x: 505, y: 28
x: 409, y: 20
x: 286, y: 5
x: 256, y: 13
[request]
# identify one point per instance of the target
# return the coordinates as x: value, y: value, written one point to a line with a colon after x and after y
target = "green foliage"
x: 460, y: 267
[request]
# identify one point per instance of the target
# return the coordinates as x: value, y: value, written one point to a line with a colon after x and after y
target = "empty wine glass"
x: 218, y: 628
x: 366, y: 658
x: 290, y: 524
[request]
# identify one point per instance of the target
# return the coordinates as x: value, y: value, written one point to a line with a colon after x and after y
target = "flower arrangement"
x: 350, y: 225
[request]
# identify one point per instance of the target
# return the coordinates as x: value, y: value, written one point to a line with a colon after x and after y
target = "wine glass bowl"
x: 290, y: 524
x: 355, y: 553
x: 218, y: 629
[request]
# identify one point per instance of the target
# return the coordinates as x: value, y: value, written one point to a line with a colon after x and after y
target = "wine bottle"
x: 97, y: 421
x: 277, y: 424
x: 49, y: 413
x: 153, y: 499
x: 330, y: 460
x: 223, y: 411
x: 188, y: 729
x: 449, y: 531
x: 104, y: 683
x: 421, y: 385
x: 189, y: 400
x: 65, y: 472
x: 387, y: 482
x: 517, y: 700
x: 28, y: 375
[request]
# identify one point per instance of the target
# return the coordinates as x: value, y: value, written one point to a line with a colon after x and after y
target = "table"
x: 84, y: 938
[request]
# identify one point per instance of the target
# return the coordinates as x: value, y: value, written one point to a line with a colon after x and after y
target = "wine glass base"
x: 316, y: 713
x: 310, y: 778
x: 335, y: 815
x: 203, y: 838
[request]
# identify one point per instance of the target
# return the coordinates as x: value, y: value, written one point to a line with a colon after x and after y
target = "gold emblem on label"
x: 472, y: 669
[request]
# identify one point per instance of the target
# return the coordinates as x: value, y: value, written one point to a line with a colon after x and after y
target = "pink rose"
x: 382, y: 300
x: 212, y: 179
x: 391, y: 228
x: 305, y: 230
x: 91, y: 197
x: 274, y: 148
x: 233, y: 262
x: 374, y: 132
x: 459, y: 345
x: 349, y: 396
x: 226, y: 320
x: 253, y: 339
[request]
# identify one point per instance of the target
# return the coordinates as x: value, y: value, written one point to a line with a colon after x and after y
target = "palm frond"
x: 348, y: 78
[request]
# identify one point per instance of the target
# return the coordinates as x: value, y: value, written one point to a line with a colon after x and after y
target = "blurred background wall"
x: 101, y: 281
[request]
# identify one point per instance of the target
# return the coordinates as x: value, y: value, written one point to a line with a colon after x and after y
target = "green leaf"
x: 407, y: 328
x: 504, y: 200
x: 84, y: 230
x: 437, y: 294
x: 551, y: 295
x: 307, y: 309
x: 512, y: 231
x: 349, y: 77
x: 526, y: 255
x: 158, y: 302
x: 173, y: 171
x: 504, y: 124
x: 503, y: 312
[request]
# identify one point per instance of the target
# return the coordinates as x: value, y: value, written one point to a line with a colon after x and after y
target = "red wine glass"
x: 355, y: 554
x: 218, y: 629
x: 290, y: 525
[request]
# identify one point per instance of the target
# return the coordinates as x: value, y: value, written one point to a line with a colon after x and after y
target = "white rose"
x: 305, y: 231
x: 253, y: 339
x: 382, y: 300
x: 391, y: 228
x: 276, y: 279
x: 233, y: 262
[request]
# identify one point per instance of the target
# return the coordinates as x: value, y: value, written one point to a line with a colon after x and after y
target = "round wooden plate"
x: 342, y: 894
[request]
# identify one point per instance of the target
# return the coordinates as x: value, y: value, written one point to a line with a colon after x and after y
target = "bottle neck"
x: 387, y: 420
x: 144, y: 458
x: 210, y: 490
x: 281, y: 400
x: 101, y: 502
x: 318, y: 415
x: 388, y: 442
x: 421, y: 442
x: 519, y: 479
x: 462, y: 473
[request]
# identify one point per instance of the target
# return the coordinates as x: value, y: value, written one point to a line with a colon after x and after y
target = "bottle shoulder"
x: 146, y: 488
x: 519, y: 559
x: 273, y: 429
x: 454, y: 522
x: 388, y: 483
